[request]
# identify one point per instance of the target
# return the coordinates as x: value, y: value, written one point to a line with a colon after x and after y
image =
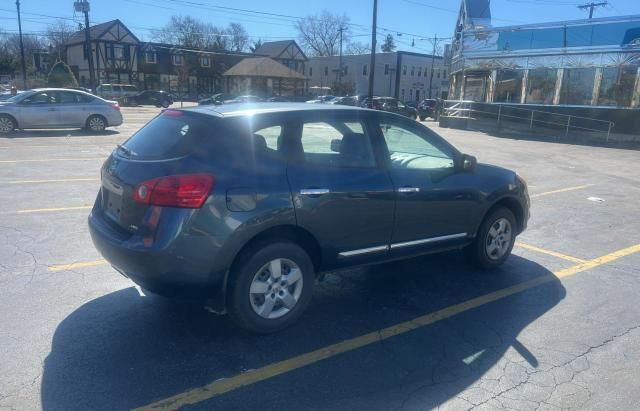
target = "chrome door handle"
x: 314, y: 191
x: 408, y: 190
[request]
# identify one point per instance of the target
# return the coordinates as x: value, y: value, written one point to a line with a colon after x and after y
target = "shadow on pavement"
x: 121, y: 350
x: 59, y: 133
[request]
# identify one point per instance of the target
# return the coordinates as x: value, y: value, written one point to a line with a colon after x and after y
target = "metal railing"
x: 531, y: 117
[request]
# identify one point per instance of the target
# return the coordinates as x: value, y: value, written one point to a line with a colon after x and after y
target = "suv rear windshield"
x: 171, y: 134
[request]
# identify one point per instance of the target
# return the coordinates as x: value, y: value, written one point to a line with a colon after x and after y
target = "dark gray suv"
x: 243, y: 206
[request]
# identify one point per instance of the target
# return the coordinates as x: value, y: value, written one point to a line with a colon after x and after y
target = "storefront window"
x: 616, y: 88
x: 475, y: 87
x: 541, y: 86
x: 577, y: 86
x: 508, y: 86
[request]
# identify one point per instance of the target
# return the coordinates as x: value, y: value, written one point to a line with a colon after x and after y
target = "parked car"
x: 278, y: 99
x: 392, y: 105
x: 150, y: 98
x: 215, y: 99
x: 345, y: 101
x: 245, y: 206
x: 58, y: 108
x: 116, y: 91
x: 86, y: 90
x: 322, y: 99
x: 427, y: 108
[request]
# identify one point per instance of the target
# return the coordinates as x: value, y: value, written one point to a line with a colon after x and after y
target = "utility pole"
x: 592, y: 6
x: 340, y: 30
x: 433, y: 41
x: 83, y: 6
x: 24, y: 66
x: 373, y: 51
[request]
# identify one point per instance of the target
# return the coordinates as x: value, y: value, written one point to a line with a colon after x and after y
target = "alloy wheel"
x: 6, y: 125
x: 276, y: 288
x: 498, y: 239
x: 96, y: 124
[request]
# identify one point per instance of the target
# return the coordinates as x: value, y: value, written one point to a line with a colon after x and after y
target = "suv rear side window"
x: 171, y: 134
x: 337, y: 144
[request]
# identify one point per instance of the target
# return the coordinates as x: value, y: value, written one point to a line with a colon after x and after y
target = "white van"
x: 116, y: 91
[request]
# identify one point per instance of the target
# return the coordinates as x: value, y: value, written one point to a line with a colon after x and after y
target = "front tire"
x: 495, y: 239
x: 271, y: 287
x: 96, y: 123
x: 165, y: 103
x: 7, y: 124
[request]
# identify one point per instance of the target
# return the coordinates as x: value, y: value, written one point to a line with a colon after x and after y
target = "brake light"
x: 172, y: 113
x: 115, y: 106
x: 184, y: 191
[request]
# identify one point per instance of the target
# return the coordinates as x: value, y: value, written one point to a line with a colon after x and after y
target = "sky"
x: 410, y: 21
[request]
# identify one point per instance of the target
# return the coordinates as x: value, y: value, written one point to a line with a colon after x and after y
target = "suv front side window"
x: 410, y: 148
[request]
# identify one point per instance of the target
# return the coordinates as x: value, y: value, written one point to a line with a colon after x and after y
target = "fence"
x: 531, y: 118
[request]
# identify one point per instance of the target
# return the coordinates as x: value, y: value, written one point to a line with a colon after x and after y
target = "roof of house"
x: 262, y: 67
x: 95, y: 32
x: 275, y: 48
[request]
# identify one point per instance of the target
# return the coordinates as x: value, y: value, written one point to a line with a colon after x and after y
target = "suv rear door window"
x: 337, y: 144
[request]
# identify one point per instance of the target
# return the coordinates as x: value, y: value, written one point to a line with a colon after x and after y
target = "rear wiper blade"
x: 126, y: 150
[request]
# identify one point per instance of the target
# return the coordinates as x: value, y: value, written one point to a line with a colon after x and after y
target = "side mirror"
x: 335, y: 145
x: 468, y: 162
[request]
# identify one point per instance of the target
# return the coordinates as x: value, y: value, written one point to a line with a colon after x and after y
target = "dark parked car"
x: 150, y: 98
x: 278, y: 99
x: 345, y: 101
x: 427, y: 108
x: 245, y: 206
x: 392, y: 105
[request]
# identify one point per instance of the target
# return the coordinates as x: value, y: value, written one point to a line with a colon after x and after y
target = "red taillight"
x: 115, y: 106
x: 184, y: 191
x: 172, y: 113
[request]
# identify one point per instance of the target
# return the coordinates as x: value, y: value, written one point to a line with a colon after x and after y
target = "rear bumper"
x: 180, y: 269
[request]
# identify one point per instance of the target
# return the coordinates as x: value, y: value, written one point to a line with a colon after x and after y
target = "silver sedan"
x: 58, y: 108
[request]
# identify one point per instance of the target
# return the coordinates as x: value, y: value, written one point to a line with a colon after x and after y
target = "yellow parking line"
x: 42, y: 160
x: 222, y: 386
x: 63, y: 267
x: 60, y: 180
x: 549, y: 252
x: 562, y: 190
x: 47, y: 210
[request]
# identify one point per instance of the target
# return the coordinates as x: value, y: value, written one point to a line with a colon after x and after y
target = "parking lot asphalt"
x: 557, y: 327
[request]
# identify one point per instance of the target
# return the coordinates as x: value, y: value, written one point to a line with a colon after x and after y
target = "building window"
x: 508, y: 86
x: 438, y: 73
x: 541, y: 86
x: 419, y: 71
x: 386, y: 69
x: 345, y: 70
x: 404, y: 70
x: 577, y: 86
x: 425, y: 72
x: 205, y: 61
x: 326, y: 70
x: 310, y: 71
x: 176, y: 59
x: 410, y: 94
x: 444, y: 73
x: 616, y: 87
x: 413, y: 70
x: 402, y: 94
x: 150, y: 57
x: 364, y: 70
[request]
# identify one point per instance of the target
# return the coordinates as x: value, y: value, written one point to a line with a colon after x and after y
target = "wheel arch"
x: 512, y: 205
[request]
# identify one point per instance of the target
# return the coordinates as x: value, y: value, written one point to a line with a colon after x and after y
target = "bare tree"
x: 58, y: 33
x: 193, y: 33
x: 357, y: 48
x: 320, y: 33
x: 239, y: 39
x: 255, y: 46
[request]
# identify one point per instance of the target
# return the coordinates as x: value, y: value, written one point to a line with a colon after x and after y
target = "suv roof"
x: 243, y: 109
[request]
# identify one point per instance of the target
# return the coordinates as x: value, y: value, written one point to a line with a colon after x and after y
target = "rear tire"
x: 7, y: 124
x: 96, y: 123
x: 422, y: 118
x: 271, y: 287
x: 165, y: 103
x: 494, y: 241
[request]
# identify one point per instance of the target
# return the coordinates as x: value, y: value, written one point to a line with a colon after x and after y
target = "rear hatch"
x: 165, y: 157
